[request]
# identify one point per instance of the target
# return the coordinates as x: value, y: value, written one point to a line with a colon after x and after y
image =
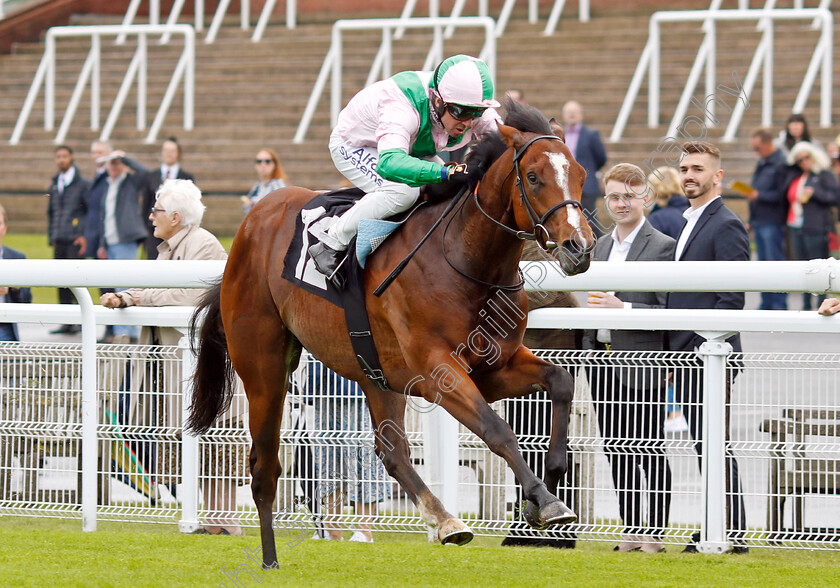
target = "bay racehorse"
x: 448, y: 329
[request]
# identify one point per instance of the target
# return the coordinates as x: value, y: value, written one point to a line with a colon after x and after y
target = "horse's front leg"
x: 524, y: 374
x: 388, y: 414
x: 452, y: 387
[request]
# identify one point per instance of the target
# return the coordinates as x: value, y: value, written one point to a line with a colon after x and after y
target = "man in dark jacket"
x: 712, y: 233
x: 588, y: 149
x: 66, y: 219
x: 9, y: 331
x: 122, y: 221
x: 768, y: 209
x: 170, y: 169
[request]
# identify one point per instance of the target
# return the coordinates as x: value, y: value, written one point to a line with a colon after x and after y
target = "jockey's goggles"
x: 459, y: 112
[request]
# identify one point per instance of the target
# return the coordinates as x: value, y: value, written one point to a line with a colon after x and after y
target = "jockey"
x: 387, y: 138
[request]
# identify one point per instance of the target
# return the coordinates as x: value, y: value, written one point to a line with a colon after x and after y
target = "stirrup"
x: 328, y: 261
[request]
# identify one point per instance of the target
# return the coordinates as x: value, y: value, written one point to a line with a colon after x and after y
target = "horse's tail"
x: 214, y: 378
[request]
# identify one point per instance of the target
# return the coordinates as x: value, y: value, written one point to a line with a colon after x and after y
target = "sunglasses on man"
x: 459, y: 112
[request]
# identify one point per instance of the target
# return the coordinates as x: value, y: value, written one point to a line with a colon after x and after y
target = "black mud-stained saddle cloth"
x: 315, y: 218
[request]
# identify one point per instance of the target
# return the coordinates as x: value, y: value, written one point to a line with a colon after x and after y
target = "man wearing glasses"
x: 388, y: 136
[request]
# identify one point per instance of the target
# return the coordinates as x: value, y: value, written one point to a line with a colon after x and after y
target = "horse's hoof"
x: 272, y: 566
x: 556, y: 513
x: 454, y: 532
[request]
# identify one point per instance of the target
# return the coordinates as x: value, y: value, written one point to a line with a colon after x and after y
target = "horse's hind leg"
x: 263, y: 353
x: 388, y: 414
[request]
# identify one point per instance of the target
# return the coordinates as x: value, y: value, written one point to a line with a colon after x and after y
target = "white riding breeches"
x: 383, y: 198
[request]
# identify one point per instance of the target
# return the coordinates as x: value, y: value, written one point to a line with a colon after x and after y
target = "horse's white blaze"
x: 561, y: 172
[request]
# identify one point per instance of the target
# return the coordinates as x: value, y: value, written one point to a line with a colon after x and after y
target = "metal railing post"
x: 188, y: 493
x: 154, y: 12
x: 827, y: 70
x: 713, y: 530
x: 711, y: 68
x: 335, y: 92
x: 189, y: 81
x: 199, y: 15
x: 767, y: 82
x: 653, y: 75
x: 441, y: 442
x: 90, y: 442
x: 49, y: 90
x: 142, y: 77
x: 95, y: 82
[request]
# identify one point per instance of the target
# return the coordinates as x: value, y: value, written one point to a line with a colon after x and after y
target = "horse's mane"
x: 519, y: 116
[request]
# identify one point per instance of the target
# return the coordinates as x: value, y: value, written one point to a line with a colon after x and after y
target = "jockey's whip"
x: 401, y: 265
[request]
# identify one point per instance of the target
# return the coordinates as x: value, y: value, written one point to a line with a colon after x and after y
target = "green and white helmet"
x: 464, y: 80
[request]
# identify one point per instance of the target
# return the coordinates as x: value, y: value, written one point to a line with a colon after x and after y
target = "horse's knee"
x: 562, y: 386
x: 264, y: 477
x: 499, y: 436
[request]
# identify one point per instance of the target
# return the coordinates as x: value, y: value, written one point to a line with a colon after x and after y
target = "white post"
x: 199, y: 15
x: 533, y: 11
x: 711, y: 68
x: 653, y: 75
x: 188, y: 493
x: 713, y: 531
x: 584, y: 10
x: 442, y: 443
x: 142, y: 77
x: 291, y: 14
x: 262, y: 21
x: 89, y: 447
x: 245, y: 14
x: 767, y: 84
x: 49, y: 90
x: 154, y: 12
x: 827, y: 76
x: 189, y: 81
x: 96, y: 50
x: 335, y: 94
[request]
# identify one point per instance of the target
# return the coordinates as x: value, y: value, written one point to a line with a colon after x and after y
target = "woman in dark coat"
x: 811, y: 191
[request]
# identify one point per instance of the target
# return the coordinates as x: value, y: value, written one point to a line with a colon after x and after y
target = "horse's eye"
x: 532, y: 177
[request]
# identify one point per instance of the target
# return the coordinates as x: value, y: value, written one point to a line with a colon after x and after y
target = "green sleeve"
x: 396, y: 165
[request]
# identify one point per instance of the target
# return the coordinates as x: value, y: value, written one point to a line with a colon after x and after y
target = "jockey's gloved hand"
x: 458, y: 174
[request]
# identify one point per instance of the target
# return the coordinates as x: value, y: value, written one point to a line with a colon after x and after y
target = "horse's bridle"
x: 540, y: 234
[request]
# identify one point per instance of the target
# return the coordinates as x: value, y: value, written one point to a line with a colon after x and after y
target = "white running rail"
x: 45, y: 76
x: 650, y: 60
x: 381, y: 67
x: 815, y: 275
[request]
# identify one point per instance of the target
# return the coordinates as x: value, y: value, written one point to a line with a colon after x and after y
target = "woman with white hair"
x: 811, y: 191
x: 156, y: 402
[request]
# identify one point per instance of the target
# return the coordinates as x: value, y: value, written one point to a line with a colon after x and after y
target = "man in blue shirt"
x: 768, y: 209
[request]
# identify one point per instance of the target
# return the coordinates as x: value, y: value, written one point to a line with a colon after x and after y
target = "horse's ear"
x: 511, y: 136
x: 557, y: 129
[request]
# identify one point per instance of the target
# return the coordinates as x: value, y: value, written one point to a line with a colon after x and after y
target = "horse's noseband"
x: 540, y: 234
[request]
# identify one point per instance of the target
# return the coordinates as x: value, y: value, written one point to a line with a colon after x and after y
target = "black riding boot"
x: 327, y: 260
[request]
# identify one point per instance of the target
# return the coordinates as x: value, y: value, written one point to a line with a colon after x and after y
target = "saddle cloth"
x: 316, y: 217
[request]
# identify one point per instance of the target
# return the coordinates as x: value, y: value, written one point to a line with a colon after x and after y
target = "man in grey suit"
x: 629, y: 394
